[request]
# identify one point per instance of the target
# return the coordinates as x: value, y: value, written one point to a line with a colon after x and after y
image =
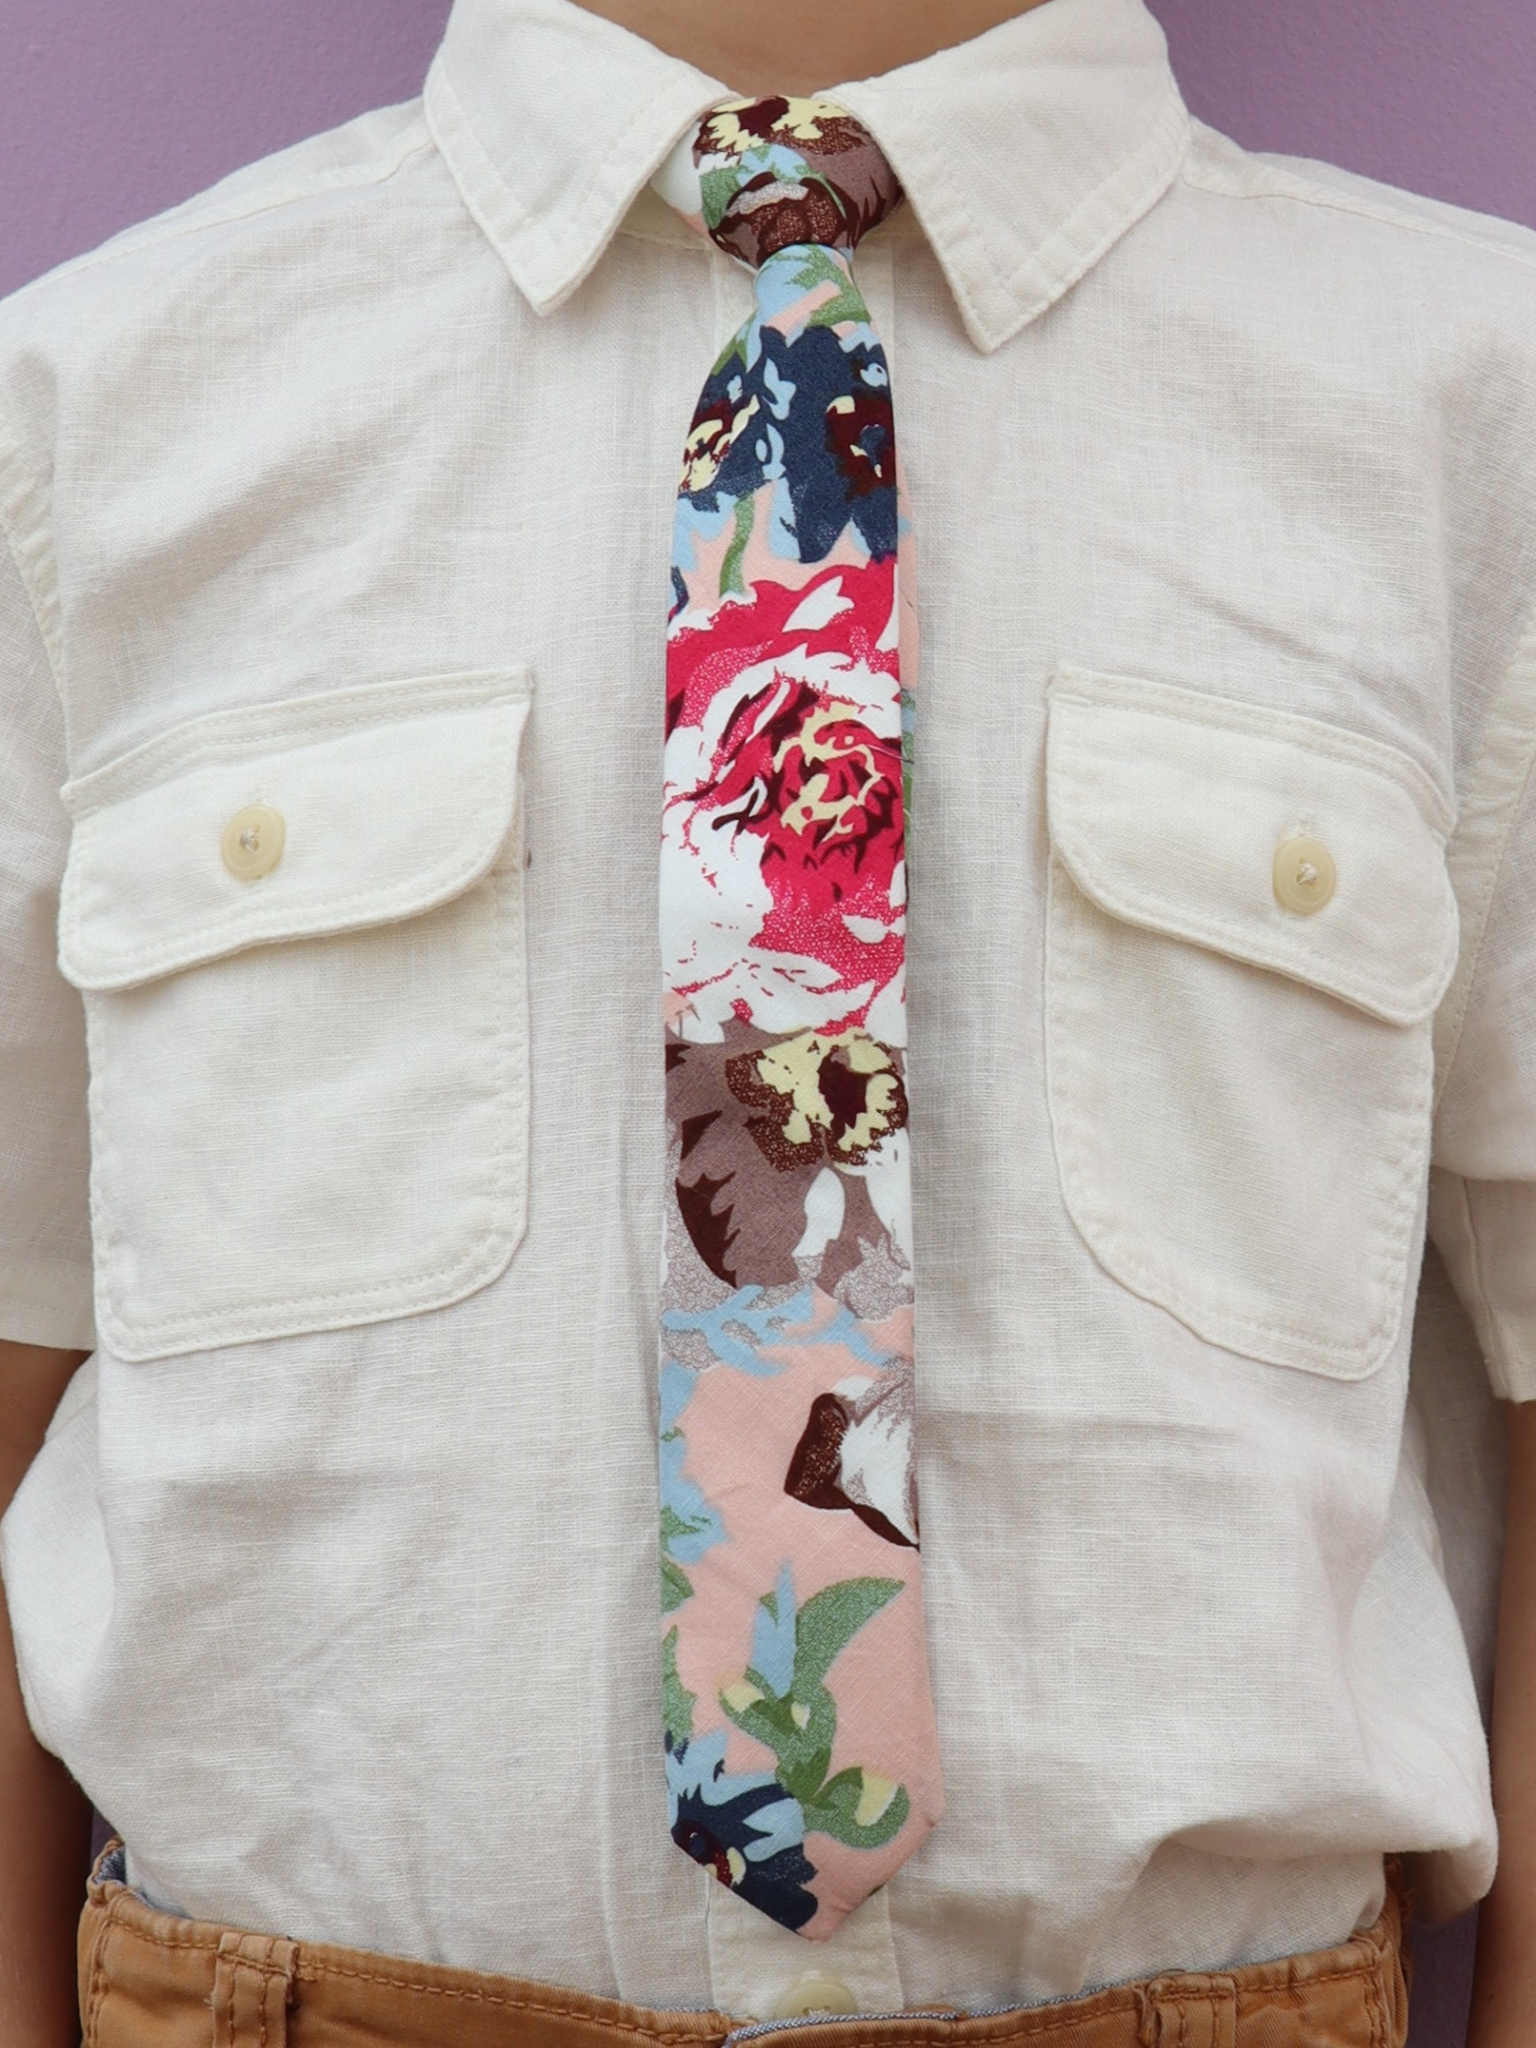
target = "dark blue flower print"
x: 831, y: 451
x: 744, y: 1826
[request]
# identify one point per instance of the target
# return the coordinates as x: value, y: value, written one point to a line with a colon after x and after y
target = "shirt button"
x: 252, y: 844
x: 814, y: 1992
x: 1304, y: 876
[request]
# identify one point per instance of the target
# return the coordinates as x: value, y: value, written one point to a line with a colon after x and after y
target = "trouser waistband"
x: 149, y: 1980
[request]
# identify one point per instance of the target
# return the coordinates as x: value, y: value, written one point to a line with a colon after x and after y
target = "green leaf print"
x: 830, y: 1620
x: 677, y: 1702
x: 858, y: 1807
x: 799, y: 1732
x: 736, y: 346
x: 676, y: 1586
x: 730, y: 568
x: 848, y: 304
x: 908, y: 724
x: 718, y: 188
x: 674, y: 1525
x: 837, y: 1809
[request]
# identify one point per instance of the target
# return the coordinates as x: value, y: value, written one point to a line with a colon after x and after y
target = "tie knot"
x: 778, y: 172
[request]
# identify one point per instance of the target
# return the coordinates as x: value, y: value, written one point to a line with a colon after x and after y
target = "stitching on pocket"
x: 242, y: 924
x: 1287, y: 1342
x: 502, y: 1185
x: 1232, y: 714
x: 1081, y: 777
x: 218, y: 736
x: 1398, y: 1001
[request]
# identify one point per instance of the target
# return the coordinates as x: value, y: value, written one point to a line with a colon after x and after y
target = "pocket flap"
x: 394, y: 797
x: 1167, y: 808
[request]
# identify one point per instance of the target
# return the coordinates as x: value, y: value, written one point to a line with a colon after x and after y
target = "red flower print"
x: 803, y: 769
x: 784, y: 763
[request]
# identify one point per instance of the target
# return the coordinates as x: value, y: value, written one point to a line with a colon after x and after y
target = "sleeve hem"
x: 1506, y: 1339
x: 47, y: 1305
x: 1511, y: 1359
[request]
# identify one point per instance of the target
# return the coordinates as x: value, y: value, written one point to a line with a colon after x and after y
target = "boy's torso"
x: 336, y: 1581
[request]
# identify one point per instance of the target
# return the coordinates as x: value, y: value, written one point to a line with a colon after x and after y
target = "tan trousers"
x: 150, y: 1981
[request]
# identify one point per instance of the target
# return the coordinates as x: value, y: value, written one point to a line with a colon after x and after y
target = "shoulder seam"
x: 152, y: 234
x: 1273, y: 183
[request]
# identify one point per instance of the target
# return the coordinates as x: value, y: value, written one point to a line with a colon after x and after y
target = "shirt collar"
x: 1026, y: 153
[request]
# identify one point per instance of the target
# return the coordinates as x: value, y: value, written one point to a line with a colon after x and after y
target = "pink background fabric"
x: 110, y: 111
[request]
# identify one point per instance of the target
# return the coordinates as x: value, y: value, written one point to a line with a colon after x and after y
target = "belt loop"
x: 253, y: 1983
x: 1189, y: 2011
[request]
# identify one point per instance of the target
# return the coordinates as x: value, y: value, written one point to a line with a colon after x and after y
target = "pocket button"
x: 252, y: 844
x: 1305, y: 876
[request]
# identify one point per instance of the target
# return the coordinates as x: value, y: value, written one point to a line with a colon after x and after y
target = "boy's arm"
x: 45, y: 1819
x: 1504, y: 1990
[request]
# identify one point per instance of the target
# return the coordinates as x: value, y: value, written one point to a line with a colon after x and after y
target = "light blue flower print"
x: 742, y: 1825
x: 773, y: 1636
x: 690, y: 1524
x: 737, y: 1333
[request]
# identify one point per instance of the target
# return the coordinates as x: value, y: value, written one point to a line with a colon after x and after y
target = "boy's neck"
x: 794, y: 46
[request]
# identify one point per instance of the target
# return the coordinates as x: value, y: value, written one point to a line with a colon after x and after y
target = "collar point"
x: 550, y: 241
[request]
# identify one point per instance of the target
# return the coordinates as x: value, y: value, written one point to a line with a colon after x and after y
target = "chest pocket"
x: 1251, y: 926
x: 298, y: 928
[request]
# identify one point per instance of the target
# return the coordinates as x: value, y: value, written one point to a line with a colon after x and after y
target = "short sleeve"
x: 1483, y: 1190
x: 45, y: 1251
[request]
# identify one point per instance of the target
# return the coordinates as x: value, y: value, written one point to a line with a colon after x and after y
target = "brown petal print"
x: 821, y: 1472
x: 849, y: 187
x: 821, y: 1095
x: 744, y: 1215
x: 749, y: 1154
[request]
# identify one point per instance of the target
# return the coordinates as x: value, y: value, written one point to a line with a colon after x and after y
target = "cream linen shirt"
x: 345, y: 490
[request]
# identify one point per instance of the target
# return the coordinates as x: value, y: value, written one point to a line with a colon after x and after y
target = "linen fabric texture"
x: 335, y: 1582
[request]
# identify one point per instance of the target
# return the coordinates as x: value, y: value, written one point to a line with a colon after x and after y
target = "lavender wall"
x: 110, y: 111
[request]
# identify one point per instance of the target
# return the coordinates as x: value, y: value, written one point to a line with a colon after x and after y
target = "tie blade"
x: 802, y: 1757
x: 775, y: 1802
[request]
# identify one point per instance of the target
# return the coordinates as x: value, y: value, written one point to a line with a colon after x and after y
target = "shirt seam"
x: 595, y: 182
x: 56, y: 1325
x: 1339, y: 743
x: 1491, y: 1332
x: 466, y: 157
x: 218, y: 738
x: 23, y: 491
x: 1273, y: 182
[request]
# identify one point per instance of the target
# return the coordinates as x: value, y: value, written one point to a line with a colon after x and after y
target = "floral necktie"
x: 802, y: 1758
